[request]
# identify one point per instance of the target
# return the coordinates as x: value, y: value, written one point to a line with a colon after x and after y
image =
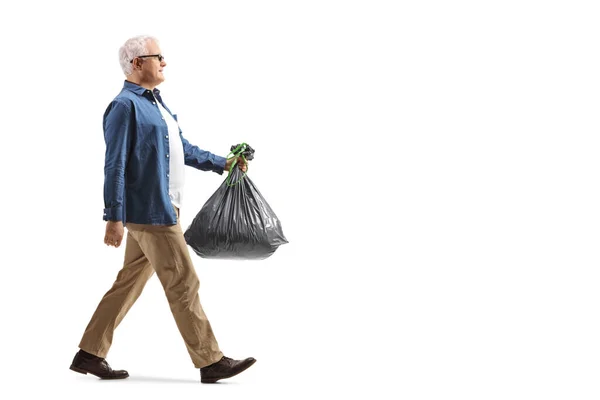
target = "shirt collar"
x: 137, y: 89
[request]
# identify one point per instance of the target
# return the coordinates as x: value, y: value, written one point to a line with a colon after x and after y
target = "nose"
x: 163, y: 63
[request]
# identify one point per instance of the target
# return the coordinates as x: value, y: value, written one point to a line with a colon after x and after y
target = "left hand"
x: 114, y: 233
x: 240, y: 163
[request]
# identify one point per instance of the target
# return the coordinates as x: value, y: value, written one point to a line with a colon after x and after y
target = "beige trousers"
x: 161, y: 249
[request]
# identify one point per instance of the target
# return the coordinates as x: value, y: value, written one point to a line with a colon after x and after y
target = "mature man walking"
x: 144, y: 178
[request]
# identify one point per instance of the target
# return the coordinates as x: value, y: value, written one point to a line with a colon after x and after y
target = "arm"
x: 201, y: 159
x: 117, y: 135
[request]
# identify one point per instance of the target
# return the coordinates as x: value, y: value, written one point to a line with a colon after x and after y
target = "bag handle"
x: 237, y: 152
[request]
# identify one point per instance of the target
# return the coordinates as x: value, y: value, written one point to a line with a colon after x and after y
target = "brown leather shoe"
x: 224, y: 368
x: 85, y: 363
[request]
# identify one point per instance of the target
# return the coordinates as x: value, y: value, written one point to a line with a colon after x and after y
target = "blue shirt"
x: 136, y: 168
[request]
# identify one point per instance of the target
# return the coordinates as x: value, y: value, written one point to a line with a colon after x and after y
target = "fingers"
x: 242, y: 164
x: 114, y: 234
x: 113, y: 240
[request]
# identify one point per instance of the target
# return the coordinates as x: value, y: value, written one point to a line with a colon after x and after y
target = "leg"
x: 167, y: 251
x: 118, y: 300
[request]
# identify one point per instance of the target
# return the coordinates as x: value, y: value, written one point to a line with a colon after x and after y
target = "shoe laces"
x: 228, y: 360
x: 106, y: 365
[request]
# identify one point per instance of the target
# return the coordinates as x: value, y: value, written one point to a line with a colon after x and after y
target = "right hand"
x: 114, y: 233
x: 241, y: 163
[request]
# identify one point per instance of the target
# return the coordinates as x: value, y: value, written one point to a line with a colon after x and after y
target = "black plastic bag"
x: 235, y: 223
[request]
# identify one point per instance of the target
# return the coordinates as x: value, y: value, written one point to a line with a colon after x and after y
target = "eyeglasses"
x: 160, y: 57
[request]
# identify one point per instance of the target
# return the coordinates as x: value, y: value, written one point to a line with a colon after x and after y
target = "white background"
x: 434, y: 165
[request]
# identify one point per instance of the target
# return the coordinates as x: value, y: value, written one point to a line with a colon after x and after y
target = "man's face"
x: 152, y: 68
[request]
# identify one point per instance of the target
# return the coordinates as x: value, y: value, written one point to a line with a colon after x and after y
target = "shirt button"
x: 163, y: 117
x: 167, y: 177
x: 167, y: 156
x: 153, y: 102
x: 166, y: 137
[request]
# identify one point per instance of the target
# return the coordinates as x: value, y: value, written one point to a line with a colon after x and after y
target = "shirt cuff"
x: 219, y: 164
x: 113, y: 214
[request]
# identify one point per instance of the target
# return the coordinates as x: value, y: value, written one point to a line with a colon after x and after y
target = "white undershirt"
x: 176, y: 159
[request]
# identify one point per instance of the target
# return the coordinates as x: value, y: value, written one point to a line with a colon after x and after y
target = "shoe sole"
x: 214, y: 380
x: 84, y: 372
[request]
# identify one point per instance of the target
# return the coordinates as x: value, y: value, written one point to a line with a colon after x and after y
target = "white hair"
x: 134, y: 47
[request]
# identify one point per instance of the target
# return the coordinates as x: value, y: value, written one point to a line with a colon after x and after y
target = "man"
x: 144, y: 176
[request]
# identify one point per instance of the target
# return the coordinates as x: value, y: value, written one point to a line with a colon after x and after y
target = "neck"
x: 138, y: 81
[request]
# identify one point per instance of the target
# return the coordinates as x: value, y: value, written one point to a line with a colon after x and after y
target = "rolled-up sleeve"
x: 117, y: 136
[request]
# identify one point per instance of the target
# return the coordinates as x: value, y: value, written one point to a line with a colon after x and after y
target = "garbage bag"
x: 236, y: 222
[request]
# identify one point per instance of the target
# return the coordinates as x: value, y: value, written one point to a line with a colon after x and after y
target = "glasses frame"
x: 160, y: 57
